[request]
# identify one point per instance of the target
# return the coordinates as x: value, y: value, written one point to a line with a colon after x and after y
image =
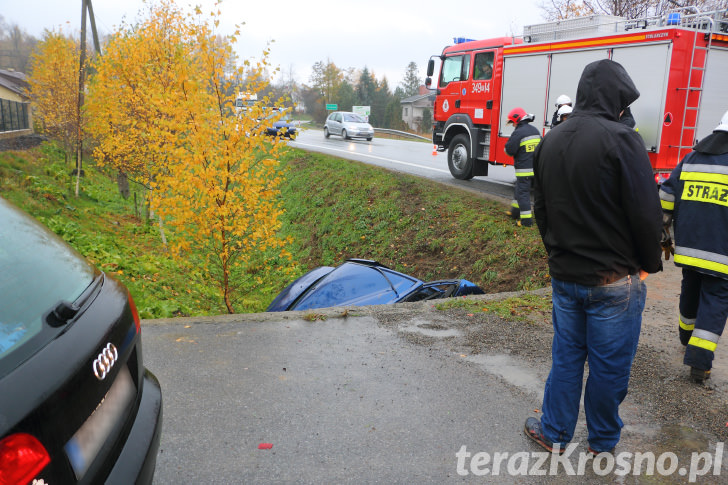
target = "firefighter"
x: 564, y: 113
x: 695, y: 200
x: 521, y: 145
x: 562, y: 100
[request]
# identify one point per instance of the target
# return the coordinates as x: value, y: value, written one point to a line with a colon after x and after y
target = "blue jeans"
x: 601, y: 324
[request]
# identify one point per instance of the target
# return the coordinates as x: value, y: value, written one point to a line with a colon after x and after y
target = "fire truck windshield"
x: 454, y: 68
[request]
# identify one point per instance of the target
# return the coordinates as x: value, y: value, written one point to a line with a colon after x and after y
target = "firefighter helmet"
x: 562, y: 100
x: 723, y: 126
x: 565, y: 110
x: 516, y: 115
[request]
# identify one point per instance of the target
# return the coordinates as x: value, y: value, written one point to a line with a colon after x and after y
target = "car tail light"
x: 22, y: 457
x: 135, y: 314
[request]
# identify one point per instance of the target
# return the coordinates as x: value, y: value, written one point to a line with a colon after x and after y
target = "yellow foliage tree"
x: 162, y: 107
x: 53, y: 80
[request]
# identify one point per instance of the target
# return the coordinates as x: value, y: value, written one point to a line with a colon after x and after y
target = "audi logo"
x: 105, y: 361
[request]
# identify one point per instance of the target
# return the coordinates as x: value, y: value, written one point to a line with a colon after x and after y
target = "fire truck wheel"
x: 326, y: 132
x: 458, y: 158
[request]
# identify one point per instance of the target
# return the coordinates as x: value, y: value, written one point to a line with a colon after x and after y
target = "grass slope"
x: 335, y: 209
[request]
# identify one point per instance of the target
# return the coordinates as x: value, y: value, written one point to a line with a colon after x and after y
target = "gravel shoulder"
x: 664, y: 410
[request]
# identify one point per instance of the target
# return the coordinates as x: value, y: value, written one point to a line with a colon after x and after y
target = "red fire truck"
x: 678, y: 61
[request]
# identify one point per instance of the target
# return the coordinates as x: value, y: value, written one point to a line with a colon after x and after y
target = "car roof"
x: 375, y: 284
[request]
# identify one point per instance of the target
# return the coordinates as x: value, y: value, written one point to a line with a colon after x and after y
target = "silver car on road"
x: 348, y: 125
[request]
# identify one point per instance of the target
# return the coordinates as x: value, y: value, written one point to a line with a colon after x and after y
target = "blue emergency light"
x: 461, y: 40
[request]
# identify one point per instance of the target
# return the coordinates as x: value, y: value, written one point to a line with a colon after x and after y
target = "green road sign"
x: 332, y: 107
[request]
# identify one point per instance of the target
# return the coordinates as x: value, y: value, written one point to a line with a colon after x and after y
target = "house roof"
x: 418, y: 97
x: 14, y: 81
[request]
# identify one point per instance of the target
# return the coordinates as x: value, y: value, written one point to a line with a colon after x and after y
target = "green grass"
x: 526, y: 307
x: 335, y: 209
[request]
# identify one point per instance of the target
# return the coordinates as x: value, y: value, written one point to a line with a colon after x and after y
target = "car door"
x: 337, y: 123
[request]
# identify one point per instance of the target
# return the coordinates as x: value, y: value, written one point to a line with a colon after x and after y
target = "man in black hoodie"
x: 599, y: 215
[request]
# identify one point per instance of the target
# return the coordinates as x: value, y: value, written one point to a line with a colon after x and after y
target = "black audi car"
x: 76, y: 403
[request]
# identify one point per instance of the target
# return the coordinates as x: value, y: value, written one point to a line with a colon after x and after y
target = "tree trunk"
x: 161, y: 233
x: 122, y: 181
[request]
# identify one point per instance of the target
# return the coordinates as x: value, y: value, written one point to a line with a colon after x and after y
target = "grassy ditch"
x: 335, y: 209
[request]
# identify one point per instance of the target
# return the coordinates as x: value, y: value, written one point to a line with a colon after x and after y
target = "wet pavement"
x: 412, y: 394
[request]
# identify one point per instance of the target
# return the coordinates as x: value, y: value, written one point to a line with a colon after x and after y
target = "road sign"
x: 332, y: 107
x: 363, y: 111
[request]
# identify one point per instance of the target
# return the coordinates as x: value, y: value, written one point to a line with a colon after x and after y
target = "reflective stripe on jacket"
x: 521, y: 146
x: 697, y: 196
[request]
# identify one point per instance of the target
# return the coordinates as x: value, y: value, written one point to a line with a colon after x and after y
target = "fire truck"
x: 678, y: 61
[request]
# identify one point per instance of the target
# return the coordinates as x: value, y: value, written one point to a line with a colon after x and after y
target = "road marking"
x: 373, y: 156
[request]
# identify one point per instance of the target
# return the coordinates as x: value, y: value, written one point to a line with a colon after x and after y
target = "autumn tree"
x: 164, y: 111
x: 326, y: 77
x: 53, y: 80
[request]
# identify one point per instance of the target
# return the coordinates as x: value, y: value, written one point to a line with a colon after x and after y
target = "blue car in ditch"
x: 359, y: 282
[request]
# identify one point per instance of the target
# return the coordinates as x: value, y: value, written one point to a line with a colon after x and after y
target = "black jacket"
x: 521, y: 146
x: 596, y: 202
x: 697, y: 195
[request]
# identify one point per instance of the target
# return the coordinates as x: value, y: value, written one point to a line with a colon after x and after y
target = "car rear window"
x: 356, y: 283
x: 37, y: 271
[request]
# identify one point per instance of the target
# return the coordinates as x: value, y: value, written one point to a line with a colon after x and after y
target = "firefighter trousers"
x: 522, y: 197
x: 703, y: 313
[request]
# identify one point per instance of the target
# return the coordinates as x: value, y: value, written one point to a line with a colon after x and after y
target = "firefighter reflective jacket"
x: 521, y: 145
x: 696, y: 194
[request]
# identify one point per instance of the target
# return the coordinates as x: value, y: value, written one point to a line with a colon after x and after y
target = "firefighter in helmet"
x: 563, y: 113
x: 695, y: 200
x: 521, y: 145
x: 562, y: 100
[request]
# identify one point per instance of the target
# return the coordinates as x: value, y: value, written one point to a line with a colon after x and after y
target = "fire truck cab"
x: 678, y: 61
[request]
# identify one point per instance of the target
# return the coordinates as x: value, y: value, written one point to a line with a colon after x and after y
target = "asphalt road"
x: 413, y: 157
x: 341, y: 400
x: 410, y: 394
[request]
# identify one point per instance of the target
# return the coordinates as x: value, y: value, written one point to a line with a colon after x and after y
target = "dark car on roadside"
x: 279, y: 124
x: 76, y: 403
x: 359, y: 282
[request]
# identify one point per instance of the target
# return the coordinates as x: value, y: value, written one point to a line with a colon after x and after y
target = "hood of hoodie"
x: 605, y: 89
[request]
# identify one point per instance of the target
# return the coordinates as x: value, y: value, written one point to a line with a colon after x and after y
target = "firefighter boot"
x: 513, y: 211
x: 699, y: 375
x: 525, y: 222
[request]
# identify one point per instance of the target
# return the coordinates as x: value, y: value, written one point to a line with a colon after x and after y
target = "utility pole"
x: 81, y: 86
x: 85, y: 7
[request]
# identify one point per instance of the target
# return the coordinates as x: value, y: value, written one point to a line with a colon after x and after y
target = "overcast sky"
x: 383, y: 35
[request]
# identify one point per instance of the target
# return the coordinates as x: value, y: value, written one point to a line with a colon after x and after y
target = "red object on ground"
x: 265, y: 446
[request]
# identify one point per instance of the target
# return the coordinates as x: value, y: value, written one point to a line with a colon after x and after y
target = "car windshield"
x: 38, y: 271
x: 353, y: 118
